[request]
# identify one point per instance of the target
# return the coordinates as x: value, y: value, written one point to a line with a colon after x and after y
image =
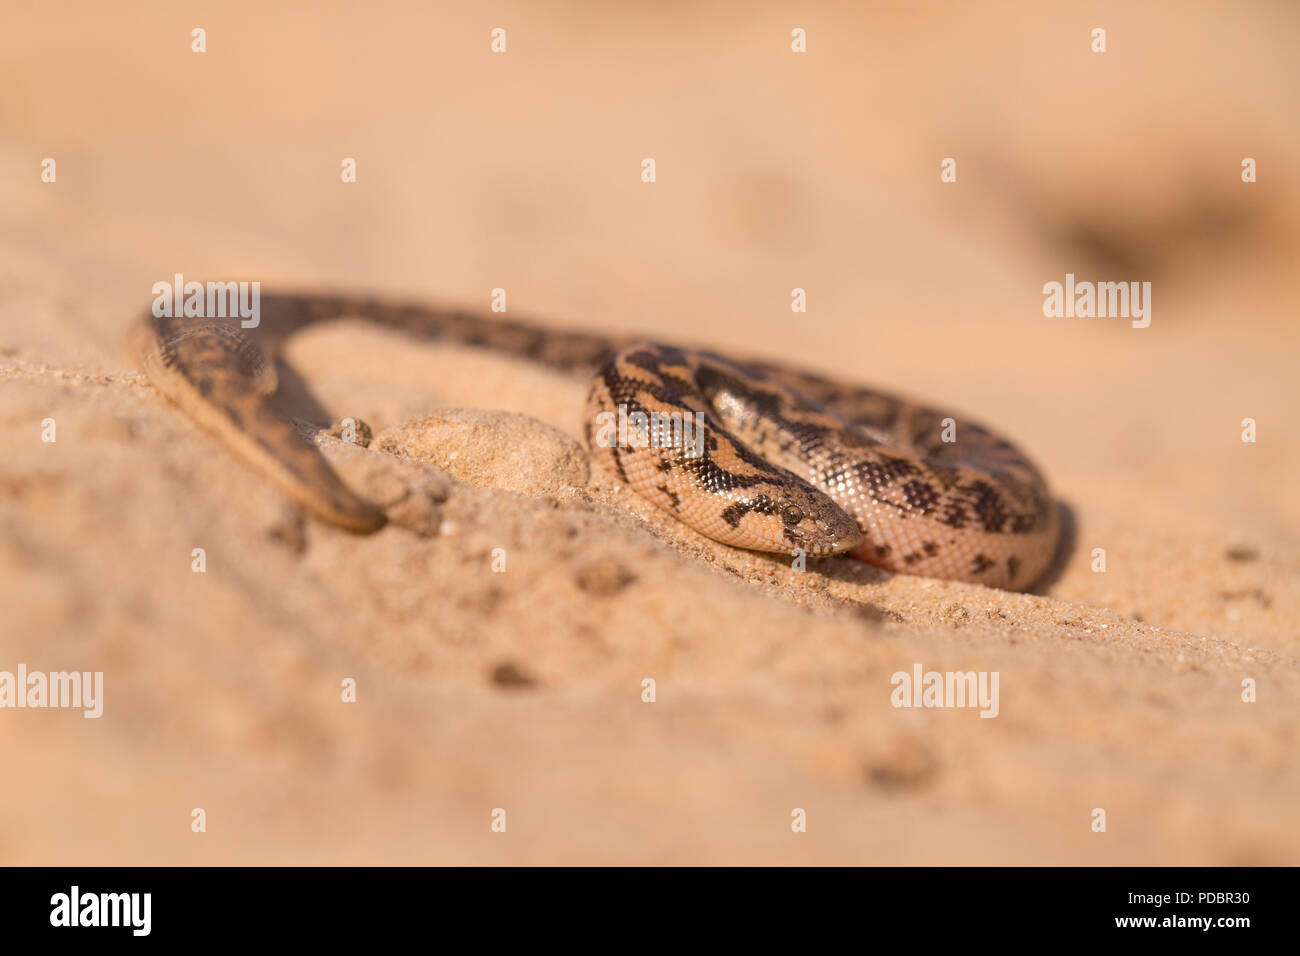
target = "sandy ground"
x: 522, y: 690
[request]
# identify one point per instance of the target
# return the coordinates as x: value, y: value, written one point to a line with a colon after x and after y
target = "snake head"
x: 812, y: 521
x: 789, y: 516
x: 798, y: 516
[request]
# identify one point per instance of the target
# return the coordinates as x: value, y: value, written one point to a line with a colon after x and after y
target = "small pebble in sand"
x: 509, y: 674
x: 603, y: 577
x: 353, y: 430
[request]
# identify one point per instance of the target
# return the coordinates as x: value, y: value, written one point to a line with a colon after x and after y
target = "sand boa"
x: 786, y: 460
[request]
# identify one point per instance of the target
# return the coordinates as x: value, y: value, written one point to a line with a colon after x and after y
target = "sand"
x: 523, y: 688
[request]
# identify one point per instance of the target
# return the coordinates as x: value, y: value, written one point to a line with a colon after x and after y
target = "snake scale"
x: 785, y: 459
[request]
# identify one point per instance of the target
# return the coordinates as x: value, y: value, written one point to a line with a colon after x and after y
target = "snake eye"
x: 791, y: 515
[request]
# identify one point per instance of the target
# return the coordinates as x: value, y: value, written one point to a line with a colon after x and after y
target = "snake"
x: 750, y: 453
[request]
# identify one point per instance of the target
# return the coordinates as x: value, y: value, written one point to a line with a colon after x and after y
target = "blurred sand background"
x: 522, y: 690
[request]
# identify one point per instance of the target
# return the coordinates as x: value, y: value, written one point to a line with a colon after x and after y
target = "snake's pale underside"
x: 786, y: 461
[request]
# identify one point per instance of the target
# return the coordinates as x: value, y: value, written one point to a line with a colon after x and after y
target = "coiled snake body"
x: 785, y: 460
